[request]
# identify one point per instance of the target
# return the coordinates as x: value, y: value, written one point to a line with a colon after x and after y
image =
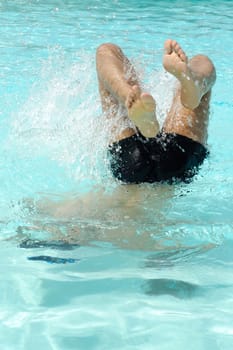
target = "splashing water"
x: 58, y: 139
x: 61, y: 118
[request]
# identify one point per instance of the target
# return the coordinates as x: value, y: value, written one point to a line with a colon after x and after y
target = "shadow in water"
x: 57, y: 245
x: 178, y: 289
x: 53, y: 244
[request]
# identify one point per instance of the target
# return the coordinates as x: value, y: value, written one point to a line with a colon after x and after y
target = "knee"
x: 203, y: 63
x: 107, y: 48
x: 203, y: 59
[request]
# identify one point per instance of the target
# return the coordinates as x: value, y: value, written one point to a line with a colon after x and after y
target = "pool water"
x: 86, y: 262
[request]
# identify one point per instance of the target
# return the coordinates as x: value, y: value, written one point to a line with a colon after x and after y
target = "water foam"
x: 61, y: 119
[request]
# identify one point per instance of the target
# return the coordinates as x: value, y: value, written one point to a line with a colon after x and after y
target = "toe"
x: 177, y: 48
x: 136, y: 90
x: 168, y: 47
x: 148, y: 102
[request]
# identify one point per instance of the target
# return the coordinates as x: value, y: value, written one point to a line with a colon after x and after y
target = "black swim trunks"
x: 167, y: 157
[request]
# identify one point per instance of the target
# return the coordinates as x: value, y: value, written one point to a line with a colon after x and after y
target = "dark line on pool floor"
x: 53, y: 259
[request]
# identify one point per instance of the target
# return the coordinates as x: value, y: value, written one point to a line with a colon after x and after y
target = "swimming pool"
x: 146, y: 267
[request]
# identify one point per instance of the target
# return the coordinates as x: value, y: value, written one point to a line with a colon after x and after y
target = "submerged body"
x: 144, y: 153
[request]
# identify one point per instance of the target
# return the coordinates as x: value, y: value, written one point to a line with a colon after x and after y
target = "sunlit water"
x: 100, y: 265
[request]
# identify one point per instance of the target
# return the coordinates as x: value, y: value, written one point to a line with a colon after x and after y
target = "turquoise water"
x: 148, y: 267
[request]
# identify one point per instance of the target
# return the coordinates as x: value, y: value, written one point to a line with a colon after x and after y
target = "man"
x: 143, y: 153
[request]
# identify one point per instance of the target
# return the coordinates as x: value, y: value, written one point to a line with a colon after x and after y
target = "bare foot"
x: 175, y: 62
x: 141, y: 110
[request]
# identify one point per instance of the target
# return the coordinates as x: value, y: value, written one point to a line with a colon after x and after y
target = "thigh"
x: 190, y: 123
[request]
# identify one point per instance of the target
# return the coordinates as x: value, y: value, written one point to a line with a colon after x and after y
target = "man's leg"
x: 190, y: 108
x: 117, y: 89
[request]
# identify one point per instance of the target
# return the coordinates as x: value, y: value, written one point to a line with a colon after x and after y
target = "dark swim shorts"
x: 167, y: 157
